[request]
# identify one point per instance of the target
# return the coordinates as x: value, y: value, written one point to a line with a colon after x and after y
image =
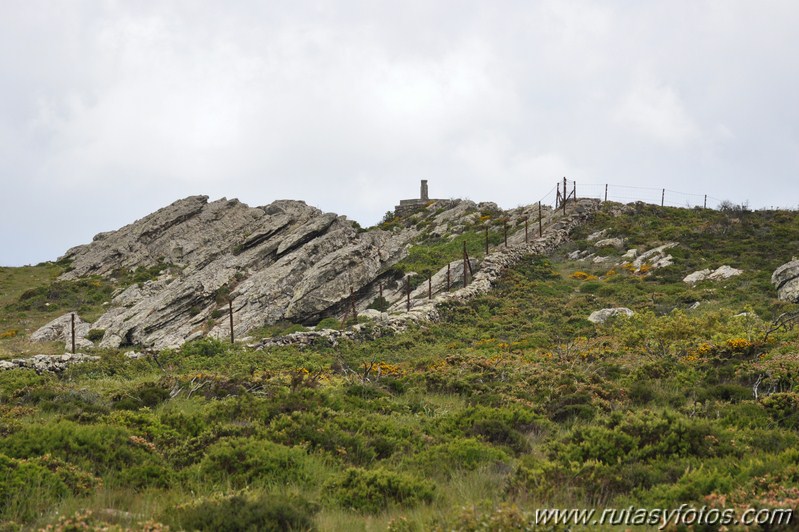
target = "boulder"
x: 786, y: 280
x: 60, y: 330
x: 617, y: 243
x: 597, y: 236
x: 655, y: 257
x: 601, y: 316
x: 720, y: 273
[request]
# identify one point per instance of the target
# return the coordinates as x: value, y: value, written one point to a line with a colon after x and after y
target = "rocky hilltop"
x: 283, y: 261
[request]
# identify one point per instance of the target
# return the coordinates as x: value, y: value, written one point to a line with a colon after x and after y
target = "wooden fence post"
x: 662, y: 197
x: 230, y: 313
x: 705, y: 206
x: 464, y: 264
x: 606, y: 193
x: 73, y: 333
x: 563, y: 203
x: 448, y: 274
x: 540, y: 227
x: 526, y: 239
x: 429, y: 287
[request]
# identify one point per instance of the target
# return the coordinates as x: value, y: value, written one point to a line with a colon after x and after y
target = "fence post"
x: 526, y: 240
x: 464, y: 264
x: 540, y: 227
x: 705, y: 206
x: 564, y: 196
x: 574, y: 191
x: 662, y: 197
x: 557, y: 196
x: 380, y: 287
x: 606, y: 193
x: 73, y: 333
x: 407, y: 294
x: 230, y: 314
x: 429, y: 286
x: 448, y: 267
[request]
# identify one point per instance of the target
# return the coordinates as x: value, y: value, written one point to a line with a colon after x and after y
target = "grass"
x: 544, y: 408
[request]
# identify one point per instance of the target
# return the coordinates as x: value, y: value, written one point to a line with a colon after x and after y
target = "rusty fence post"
x: 540, y: 227
x: 230, y: 313
x: 448, y: 274
x: 73, y: 333
x: 464, y: 264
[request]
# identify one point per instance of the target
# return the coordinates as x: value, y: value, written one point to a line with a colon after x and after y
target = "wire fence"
x: 569, y: 190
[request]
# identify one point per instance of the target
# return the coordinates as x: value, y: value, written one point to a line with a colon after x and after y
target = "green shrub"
x: 18, y: 382
x: 140, y: 477
x: 97, y: 448
x: 95, y: 335
x: 26, y: 488
x: 242, y: 512
x: 148, y: 394
x: 375, y: 490
x: 244, y: 461
x: 77, y: 405
x: 783, y: 408
x: 380, y: 303
x: 204, y: 347
x: 460, y: 454
x: 81, y: 294
x: 328, y: 323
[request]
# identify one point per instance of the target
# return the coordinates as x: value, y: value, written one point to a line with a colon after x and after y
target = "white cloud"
x: 110, y: 110
x: 658, y: 112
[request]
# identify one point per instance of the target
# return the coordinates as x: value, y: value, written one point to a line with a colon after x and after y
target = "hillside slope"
x: 176, y: 270
x: 511, y: 401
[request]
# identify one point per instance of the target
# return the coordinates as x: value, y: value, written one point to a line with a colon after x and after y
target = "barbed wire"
x: 629, y: 193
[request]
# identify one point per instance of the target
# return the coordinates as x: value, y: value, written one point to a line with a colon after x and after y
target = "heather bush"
x: 372, y: 491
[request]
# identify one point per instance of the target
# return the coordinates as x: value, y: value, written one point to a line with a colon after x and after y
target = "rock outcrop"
x: 424, y: 309
x: 786, y: 280
x: 283, y: 261
x: 60, y: 330
x: 720, y: 273
x: 603, y: 315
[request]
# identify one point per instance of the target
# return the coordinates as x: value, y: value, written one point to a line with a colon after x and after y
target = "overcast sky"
x: 110, y: 110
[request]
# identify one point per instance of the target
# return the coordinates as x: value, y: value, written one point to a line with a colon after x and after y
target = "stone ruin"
x: 409, y: 206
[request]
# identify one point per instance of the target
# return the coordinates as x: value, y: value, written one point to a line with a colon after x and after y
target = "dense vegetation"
x: 514, y: 401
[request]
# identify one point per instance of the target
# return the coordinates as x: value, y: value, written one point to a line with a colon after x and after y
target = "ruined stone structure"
x: 410, y: 206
